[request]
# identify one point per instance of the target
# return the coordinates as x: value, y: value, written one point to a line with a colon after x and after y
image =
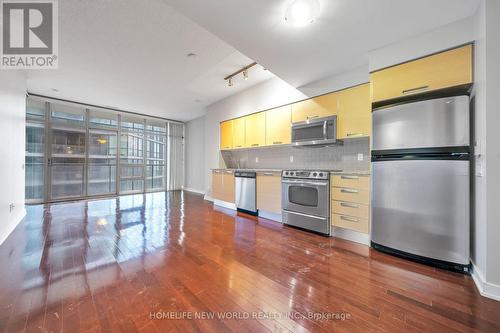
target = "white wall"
x: 336, y: 82
x: 445, y: 37
x: 486, y: 228
x: 479, y: 227
x: 195, y: 155
x: 492, y: 12
x: 12, y: 137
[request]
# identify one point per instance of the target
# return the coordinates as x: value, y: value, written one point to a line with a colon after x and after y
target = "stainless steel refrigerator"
x: 421, y: 181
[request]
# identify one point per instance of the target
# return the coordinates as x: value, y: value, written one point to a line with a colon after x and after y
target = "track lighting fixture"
x: 244, y: 70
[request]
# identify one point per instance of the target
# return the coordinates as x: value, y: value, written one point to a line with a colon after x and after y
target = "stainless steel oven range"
x: 306, y: 199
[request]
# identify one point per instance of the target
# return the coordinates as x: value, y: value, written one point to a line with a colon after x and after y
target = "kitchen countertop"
x: 256, y: 170
x: 360, y: 173
x: 334, y: 172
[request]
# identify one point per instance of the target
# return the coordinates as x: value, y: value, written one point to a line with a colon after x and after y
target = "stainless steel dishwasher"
x: 245, y: 192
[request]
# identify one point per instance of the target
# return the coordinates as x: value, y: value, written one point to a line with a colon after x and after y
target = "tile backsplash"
x: 344, y: 157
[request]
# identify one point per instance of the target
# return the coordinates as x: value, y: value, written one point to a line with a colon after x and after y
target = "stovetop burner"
x: 305, y: 174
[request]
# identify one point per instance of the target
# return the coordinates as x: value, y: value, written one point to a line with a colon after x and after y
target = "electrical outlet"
x: 360, y: 156
x: 291, y: 158
x: 11, y: 207
x: 256, y: 160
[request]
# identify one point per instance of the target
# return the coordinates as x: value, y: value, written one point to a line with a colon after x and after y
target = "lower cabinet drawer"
x: 361, y: 196
x: 351, y: 181
x: 350, y: 209
x: 349, y: 222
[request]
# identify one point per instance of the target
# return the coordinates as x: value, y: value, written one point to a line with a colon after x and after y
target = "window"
x: 102, y: 159
x: 67, y: 151
x: 35, y: 150
x: 132, y: 155
x: 175, y: 161
x: 74, y: 151
x: 156, y: 145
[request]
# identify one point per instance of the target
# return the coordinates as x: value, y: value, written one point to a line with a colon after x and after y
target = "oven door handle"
x: 301, y: 182
x: 306, y: 215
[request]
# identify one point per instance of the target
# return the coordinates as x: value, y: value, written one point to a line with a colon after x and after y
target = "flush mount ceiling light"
x: 244, y: 70
x: 302, y: 12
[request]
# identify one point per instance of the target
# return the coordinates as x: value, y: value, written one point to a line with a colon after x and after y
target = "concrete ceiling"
x: 337, y: 41
x: 131, y: 55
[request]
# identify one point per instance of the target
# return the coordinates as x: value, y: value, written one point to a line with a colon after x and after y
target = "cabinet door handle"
x: 239, y: 146
x: 350, y: 205
x: 354, y: 134
x: 349, y: 177
x: 216, y: 171
x: 312, y: 117
x: 415, y: 90
x: 277, y: 142
x: 255, y: 144
x: 350, y: 219
x: 230, y: 172
x: 268, y: 173
x: 347, y: 190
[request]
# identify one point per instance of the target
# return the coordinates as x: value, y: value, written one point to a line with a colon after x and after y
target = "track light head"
x: 230, y: 82
x: 245, y: 74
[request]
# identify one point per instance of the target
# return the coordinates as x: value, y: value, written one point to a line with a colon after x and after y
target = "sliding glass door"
x: 156, y: 145
x: 132, y: 155
x: 67, y: 153
x: 102, y: 157
x: 74, y: 151
x: 35, y: 151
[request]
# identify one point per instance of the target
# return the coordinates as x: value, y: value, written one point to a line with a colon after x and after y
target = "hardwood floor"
x: 147, y: 263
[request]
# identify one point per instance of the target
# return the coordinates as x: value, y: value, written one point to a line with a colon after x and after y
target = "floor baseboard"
x: 485, y: 288
x: 271, y: 216
x: 224, y: 204
x: 351, y: 235
x: 13, y: 224
x: 193, y: 190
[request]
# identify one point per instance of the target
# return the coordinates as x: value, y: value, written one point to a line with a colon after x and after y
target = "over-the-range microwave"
x: 316, y: 131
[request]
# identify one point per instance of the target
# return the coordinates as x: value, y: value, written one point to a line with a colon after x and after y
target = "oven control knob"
x: 292, y: 173
x: 321, y: 174
x: 314, y: 174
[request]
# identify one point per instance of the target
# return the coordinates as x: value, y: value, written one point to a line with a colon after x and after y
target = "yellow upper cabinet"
x: 354, y: 114
x: 255, y: 130
x: 317, y: 107
x: 278, y: 125
x: 226, y: 135
x: 438, y: 71
x: 239, y: 132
